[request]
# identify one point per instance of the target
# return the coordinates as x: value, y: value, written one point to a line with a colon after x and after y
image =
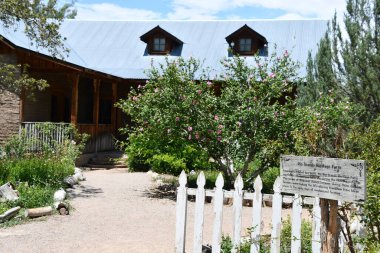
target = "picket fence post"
x: 316, y: 237
x: 199, y: 213
x: 296, y: 224
x: 218, y: 211
x: 181, y: 211
x: 237, y: 207
x: 276, y: 217
x: 256, y: 215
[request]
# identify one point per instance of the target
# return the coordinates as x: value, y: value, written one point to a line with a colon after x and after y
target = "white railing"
x: 37, y: 134
x: 239, y: 195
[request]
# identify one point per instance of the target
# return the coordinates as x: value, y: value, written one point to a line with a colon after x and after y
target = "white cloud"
x: 184, y: 9
x: 108, y: 11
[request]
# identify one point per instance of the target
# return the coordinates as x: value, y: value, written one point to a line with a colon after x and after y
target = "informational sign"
x: 329, y: 178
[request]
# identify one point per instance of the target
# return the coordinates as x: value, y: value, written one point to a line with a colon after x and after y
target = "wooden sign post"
x: 331, y: 179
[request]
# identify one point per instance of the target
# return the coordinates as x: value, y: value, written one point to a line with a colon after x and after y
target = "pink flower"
x: 283, y: 114
x: 220, y: 127
x: 189, y: 137
x: 219, y: 131
x: 199, y: 92
x: 196, y: 135
x: 286, y: 54
x: 169, y: 131
x: 210, y: 131
x: 219, y: 138
x: 209, y: 83
x: 271, y: 75
x: 147, y: 81
x: 190, y: 129
x: 156, y: 90
x: 216, y: 117
x: 177, y: 119
x: 134, y: 98
x: 331, y: 100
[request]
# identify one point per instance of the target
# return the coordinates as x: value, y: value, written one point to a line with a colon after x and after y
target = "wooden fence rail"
x: 239, y: 195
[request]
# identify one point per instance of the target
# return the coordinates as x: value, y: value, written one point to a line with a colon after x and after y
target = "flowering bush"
x: 245, y: 114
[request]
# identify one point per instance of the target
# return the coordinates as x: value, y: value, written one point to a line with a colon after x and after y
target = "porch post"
x: 113, y: 111
x: 74, y: 99
x: 95, y: 110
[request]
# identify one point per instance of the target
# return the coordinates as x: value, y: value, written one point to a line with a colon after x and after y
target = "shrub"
x: 268, y: 177
x: 167, y: 164
x: 286, y: 236
x: 210, y: 176
x: 32, y: 196
x: 38, y: 171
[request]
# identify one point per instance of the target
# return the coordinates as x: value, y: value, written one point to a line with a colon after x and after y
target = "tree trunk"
x: 329, y: 226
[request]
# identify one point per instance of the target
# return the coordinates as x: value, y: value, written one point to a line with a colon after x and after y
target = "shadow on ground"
x: 83, y: 191
x: 163, y: 191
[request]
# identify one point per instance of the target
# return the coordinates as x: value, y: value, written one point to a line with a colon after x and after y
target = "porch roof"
x: 115, y: 48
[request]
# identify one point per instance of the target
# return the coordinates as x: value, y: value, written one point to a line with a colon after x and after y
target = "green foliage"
x: 40, y: 19
x: 167, y: 164
x: 286, y: 236
x: 210, y: 176
x: 349, y: 61
x: 365, y: 144
x: 180, y: 113
x: 35, y: 170
x: 268, y: 177
x: 326, y: 125
x: 33, y: 196
x: 37, y: 175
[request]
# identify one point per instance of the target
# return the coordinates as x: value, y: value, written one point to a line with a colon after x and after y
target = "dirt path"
x: 112, y: 214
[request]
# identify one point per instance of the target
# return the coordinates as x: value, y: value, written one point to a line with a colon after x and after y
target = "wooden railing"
x: 38, y: 134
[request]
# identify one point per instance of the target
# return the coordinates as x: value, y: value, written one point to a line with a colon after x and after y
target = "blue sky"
x: 206, y: 9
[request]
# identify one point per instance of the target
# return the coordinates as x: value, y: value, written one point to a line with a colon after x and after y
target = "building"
x: 106, y: 58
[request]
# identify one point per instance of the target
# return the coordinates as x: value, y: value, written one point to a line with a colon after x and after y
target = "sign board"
x: 329, y: 178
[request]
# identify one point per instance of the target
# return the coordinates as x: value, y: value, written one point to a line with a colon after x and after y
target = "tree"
x: 41, y: 21
x: 348, y: 61
x: 246, y: 115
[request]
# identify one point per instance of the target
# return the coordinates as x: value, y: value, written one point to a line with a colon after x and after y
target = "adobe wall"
x: 9, y: 108
x: 9, y: 115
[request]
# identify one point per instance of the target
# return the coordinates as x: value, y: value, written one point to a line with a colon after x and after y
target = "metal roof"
x: 115, y: 48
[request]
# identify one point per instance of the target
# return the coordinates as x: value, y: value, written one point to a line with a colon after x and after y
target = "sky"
x: 206, y: 9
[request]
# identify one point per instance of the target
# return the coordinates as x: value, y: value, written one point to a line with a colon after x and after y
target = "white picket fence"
x: 238, y: 195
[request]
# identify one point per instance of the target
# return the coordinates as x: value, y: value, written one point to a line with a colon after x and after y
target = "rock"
x: 38, y: 212
x: 78, y: 174
x: 59, y: 195
x: 7, y: 193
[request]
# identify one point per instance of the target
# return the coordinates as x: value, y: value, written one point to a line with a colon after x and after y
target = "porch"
x: 84, y: 101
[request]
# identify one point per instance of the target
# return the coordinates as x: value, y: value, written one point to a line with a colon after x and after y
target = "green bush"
x: 210, y: 176
x: 35, y: 171
x: 286, y: 233
x: 32, y: 196
x: 268, y: 177
x: 286, y: 236
x: 167, y: 164
x: 147, y: 152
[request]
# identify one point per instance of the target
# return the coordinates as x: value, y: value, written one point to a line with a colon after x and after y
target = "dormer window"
x: 160, y: 42
x: 245, y: 45
x: 246, y: 41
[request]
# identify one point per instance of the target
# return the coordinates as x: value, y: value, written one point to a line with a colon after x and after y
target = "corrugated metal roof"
x: 115, y: 48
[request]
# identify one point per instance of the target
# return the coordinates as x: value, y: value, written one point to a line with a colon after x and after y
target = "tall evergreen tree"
x: 348, y: 60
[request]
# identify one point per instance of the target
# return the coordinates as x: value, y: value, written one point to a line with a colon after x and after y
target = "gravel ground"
x: 112, y: 213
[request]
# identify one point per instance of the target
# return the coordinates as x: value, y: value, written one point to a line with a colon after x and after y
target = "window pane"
x: 159, y: 44
x: 245, y: 45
